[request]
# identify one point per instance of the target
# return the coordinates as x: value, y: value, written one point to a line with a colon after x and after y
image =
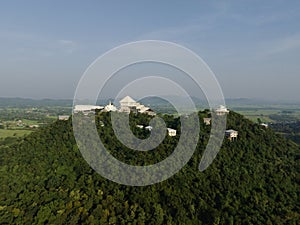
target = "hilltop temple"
x: 129, y: 105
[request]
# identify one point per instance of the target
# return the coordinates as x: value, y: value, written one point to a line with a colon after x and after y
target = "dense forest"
x: 253, y: 180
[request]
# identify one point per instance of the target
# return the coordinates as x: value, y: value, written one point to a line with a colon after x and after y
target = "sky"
x: 253, y: 47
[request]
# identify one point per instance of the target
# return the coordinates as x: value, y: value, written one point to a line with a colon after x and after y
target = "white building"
x: 110, y: 108
x: 150, y: 112
x: 222, y: 110
x: 149, y: 128
x: 140, y: 126
x: 264, y: 125
x: 141, y: 108
x: 86, y: 109
x: 63, y: 117
x: 231, y: 134
x: 171, y: 132
x: 129, y: 105
x: 207, y: 121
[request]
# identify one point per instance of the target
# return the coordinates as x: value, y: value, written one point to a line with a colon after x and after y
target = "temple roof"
x: 127, y: 99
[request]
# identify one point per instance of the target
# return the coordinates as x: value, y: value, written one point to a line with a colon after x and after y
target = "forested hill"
x: 253, y: 180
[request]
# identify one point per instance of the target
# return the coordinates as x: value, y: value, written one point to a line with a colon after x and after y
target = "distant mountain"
x: 27, y: 102
x: 152, y: 101
x: 253, y: 180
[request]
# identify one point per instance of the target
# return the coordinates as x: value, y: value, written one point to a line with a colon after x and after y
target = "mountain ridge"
x: 253, y: 180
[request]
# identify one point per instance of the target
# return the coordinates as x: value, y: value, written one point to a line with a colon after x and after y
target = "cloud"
x: 69, y: 46
x: 170, y: 33
x: 285, y: 44
x: 66, y: 42
x: 276, y: 46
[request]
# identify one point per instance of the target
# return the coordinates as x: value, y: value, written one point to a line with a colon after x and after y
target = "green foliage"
x: 290, y: 130
x: 254, y: 180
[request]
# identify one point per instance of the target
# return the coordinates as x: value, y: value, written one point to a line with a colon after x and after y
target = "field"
x: 263, y: 114
x: 13, y: 133
x: 270, y: 113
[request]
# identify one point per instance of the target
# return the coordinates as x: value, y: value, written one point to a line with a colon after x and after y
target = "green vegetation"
x: 284, y: 119
x: 19, y: 117
x: 270, y: 113
x: 254, y: 180
x: 13, y: 133
x: 289, y: 130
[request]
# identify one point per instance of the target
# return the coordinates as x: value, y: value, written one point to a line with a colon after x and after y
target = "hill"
x: 254, y: 180
x: 28, y: 102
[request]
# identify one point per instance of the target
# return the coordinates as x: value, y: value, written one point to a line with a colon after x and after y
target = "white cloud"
x: 170, y: 33
x: 66, y: 42
x: 68, y: 46
x: 285, y: 44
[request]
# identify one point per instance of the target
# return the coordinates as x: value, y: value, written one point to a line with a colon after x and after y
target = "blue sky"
x: 253, y: 47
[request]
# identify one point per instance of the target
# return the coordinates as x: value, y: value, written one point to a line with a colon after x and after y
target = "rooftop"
x: 127, y: 99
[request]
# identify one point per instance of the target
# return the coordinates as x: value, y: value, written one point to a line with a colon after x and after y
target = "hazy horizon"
x: 241, y: 101
x: 252, y: 47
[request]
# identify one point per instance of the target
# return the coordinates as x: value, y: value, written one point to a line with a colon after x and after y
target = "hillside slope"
x: 254, y: 180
